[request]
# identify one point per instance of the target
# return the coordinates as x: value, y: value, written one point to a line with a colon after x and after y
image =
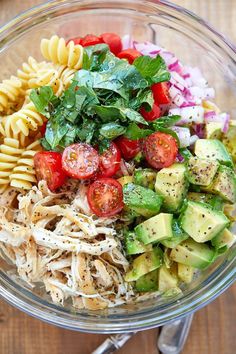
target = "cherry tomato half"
x: 76, y: 40
x: 105, y: 197
x: 129, y: 54
x: 160, y: 150
x: 43, y: 129
x: 90, y: 39
x: 151, y: 115
x: 109, y: 161
x: 161, y: 93
x: 129, y: 148
x: 80, y: 161
x: 113, y: 41
x: 48, y: 167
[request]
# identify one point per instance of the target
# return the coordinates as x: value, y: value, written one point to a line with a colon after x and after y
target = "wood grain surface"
x: 213, y: 328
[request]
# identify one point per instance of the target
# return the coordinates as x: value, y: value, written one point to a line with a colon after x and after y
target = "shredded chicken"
x: 54, y: 238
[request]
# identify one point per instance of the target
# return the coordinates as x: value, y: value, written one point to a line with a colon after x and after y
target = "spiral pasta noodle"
x: 23, y: 174
x: 65, y: 74
x: 11, y: 94
x: 28, y: 70
x: 19, y: 124
x: 56, y: 50
x: 47, y: 76
x: 9, y: 155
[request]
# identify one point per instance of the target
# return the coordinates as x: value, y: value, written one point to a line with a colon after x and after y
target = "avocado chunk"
x: 214, y: 201
x: 202, y: 222
x: 214, y: 130
x: 125, y: 179
x: 224, y: 184
x: 167, y: 279
x: 133, y: 245
x: 155, y: 229
x: 172, y: 184
x: 142, y: 200
x: 178, y: 236
x: 145, y: 263
x: 145, y: 177
x: 185, y: 273
x: 225, y: 239
x: 214, y: 150
x: 193, y: 254
x: 229, y: 139
x: 201, y: 171
x: 148, y: 282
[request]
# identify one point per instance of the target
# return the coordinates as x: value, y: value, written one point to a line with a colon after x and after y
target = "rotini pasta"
x: 9, y: 155
x: 56, y: 50
x: 11, y: 94
x: 28, y: 70
x: 19, y: 124
x: 23, y: 175
x: 65, y: 74
x: 47, y: 76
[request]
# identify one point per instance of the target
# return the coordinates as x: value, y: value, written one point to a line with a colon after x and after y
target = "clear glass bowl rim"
x: 194, y: 300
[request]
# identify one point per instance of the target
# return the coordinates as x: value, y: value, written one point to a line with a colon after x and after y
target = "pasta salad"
x: 117, y: 177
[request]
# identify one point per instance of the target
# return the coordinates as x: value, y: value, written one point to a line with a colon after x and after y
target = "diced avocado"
x: 202, y: 222
x: 155, y: 229
x: 142, y: 200
x: 193, y: 254
x: 212, y: 149
x: 125, y: 179
x: 144, y: 264
x: 148, y: 282
x: 224, y: 239
x: 178, y: 236
x: 185, y: 273
x: 214, y: 201
x: 133, y: 245
x: 167, y: 279
x: 224, y: 184
x: 201, y: 171
x: 214, y: 130
x: 229, y: 139
x: 172, y: 184
x: 230, y: 212
x: 145, y: 177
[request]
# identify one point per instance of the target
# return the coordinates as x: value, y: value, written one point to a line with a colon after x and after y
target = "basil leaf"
x: 94, y: 56
x: 143, y: 98
x: 165, y: 121
x: 109, y: 113
x: 134, y: 116
x: 87, y: 130
x: 111, y: 130
x: 185, y: 153
x: 152, y: 69
x: 133, y: 132
x: 44, y: 100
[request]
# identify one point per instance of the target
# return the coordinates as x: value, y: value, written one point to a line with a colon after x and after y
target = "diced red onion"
x: 183, y: 135
x: 179, y: 158
x: 199, y: 130
x: 226, y: 119
x: 147, y: 48
x: 127, y: 42
x: 194, y: 114
x: 123, y: 168
x: 193, y: 139
x: 209, y: 114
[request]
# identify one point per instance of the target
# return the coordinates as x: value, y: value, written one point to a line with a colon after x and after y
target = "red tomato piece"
x: 109, y: 161
x: 129, y: 148
x: 80, y: 161
x: 105, y: 197
x: 90, y: 39
x: 161, y: 93
x: 113, y: 41
x: 151, y: 115
x: 48, y: 167
x: 129, y: 54
x: 160, y: 150
x: 76, y: 40
x: 43, y: 128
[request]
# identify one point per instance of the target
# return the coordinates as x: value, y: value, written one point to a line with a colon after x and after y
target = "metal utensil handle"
x: 173, y: 336
x: 113, y: 343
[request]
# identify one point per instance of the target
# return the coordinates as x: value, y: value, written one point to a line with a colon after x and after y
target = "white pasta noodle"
x: 9, y: 155
x: 19, y: 124
x: 23, y: 175
x: 47, y: 76
x: 56, y: 50
x: 28, y: 70
x: 11, y: 94
x: 65, y: 74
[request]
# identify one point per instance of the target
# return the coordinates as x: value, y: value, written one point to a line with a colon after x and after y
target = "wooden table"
x: 213, y: 328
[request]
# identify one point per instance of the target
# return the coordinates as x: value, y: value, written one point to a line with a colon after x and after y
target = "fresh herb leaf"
x: 94, y: 56
x: 185, y: 153
x: 152, y: 69
x: 133, y: 132
x: 112, y: 113
x: 143, y: 98
x: 166, y: 121
x: 87, y: 130
x: 170, y: 132
x: 111, y: 130
x: 44, y: 100
x: 134, y: 116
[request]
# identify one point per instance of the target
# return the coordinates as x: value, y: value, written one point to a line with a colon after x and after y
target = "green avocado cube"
x: 201, y: 171
x: 193, y: 254
x: 229, y: 139
x: 202, y: 222
x: 214, y: 150
x: 185, y: 273
x: 155, y: 229
x: 178, y: 236
x: 225, y: 239
x: 148, y: 282
x: 145, y: 263
x: 167, y: 279
x: 142, y: 200
x: 145, y: 177
x: 133, y: 245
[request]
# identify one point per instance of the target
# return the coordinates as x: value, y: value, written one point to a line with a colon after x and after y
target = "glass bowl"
x: 195, y: 43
